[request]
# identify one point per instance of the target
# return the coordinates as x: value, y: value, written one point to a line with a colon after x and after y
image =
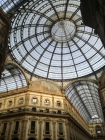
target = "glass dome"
x: 49, y: 39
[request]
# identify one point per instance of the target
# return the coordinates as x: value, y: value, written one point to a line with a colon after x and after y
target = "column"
x: 40, y: 130
x: 26, y: 99
x: 53, y: 103
x: 70, y: 130
x: 23, y: 129
x: 54, y: 130
x: 67, y: 130
x: 4, y: 104
x: 41, y: 101
x: 9, y: 130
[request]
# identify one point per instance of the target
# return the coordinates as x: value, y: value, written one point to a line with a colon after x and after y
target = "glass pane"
x: 48, y: 46
x: 12, y: 78
x: 84, y: 96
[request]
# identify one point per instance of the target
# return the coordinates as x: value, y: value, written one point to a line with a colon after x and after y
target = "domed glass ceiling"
x: 49, y: 39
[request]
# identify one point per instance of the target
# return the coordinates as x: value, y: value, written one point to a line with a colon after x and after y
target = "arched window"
x: 31, y: 139
x: 15, y: 139
x: 47, y: 139
x: 99, y: 131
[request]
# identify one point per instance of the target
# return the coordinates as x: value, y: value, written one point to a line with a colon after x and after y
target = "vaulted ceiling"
x: 49, y: 40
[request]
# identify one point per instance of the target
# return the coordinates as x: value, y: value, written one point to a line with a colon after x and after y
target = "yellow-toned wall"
x: 69, y: 130
x: 74, y: 126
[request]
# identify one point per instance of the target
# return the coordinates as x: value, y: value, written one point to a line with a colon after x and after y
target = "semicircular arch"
x: 12, y: 78
x: 84, y: 96
x: 22, y: 70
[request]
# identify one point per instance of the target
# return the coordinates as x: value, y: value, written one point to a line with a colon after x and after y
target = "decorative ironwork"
x: 84, y: 96
x: 49, y: 39
x: 12, y: 78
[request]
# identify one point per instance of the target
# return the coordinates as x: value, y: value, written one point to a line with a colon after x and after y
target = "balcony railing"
x: 30, y: 110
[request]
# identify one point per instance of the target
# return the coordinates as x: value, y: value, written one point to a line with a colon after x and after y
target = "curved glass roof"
x: 8, y: 5
x: 49, y: 39
x: 84, y: 96
x: 12, y: 78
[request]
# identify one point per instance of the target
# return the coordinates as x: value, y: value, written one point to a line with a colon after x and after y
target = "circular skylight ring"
x: 63, y: 31
x: 35, y: 47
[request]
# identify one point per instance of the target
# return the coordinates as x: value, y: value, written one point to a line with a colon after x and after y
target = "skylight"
x: 84, y: 96
x: 8, y: 5
x: 49, y: 40
x: 12, y: 78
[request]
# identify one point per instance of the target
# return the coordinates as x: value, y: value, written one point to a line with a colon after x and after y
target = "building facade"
x: 42, y: 112
x: 52, y: 84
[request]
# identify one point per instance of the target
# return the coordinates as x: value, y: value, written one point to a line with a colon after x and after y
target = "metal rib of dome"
x: 84, y: 96
x: 12, y: 78
x: 49, y: 40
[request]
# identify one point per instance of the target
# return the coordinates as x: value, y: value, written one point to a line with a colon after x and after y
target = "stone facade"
x: 39, y: 113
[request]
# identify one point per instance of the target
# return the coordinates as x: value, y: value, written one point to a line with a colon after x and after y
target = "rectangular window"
x: 10, y: 103
x: 47, y: 110
x: 16, y: 127
x: 21, y: 101
x: 34, y: 100
x: 58, y: 103
x: 4, y: 128
x: 32, y: 127
x: 0, y: 105
x: 59, y: 111
x: 60, y: 129
x: 34, y: 109
x: 47, y: 128
x: 47, y: 102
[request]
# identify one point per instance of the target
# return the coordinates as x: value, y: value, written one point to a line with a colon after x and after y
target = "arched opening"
x: 61, y: 139
x: 47, y: 139
x: 12, y: 78
x: 99, y: 131
x: 15, y: 139
x: 31, y: 139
